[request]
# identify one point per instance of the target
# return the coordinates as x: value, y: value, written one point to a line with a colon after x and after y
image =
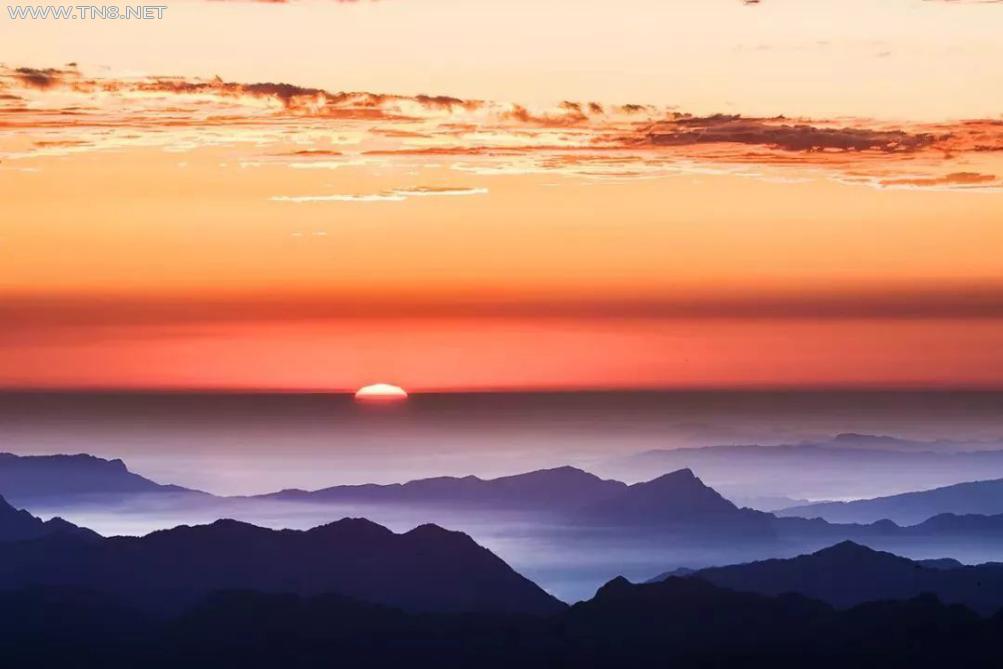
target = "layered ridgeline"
x: 848, y: 574
x: 679, y: 622
x: 678, y: 502
x: 770, y: 477
x: 570, y: 496
x: 426, y: 569
x: 561, y: 488
x: 576, y: 496
x: 976, y: 497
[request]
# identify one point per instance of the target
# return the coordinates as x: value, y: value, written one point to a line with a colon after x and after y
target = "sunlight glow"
x: 381, y: 391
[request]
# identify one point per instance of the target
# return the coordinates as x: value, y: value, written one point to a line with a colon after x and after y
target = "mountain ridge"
x: 427, y: 568
x: 28, y: 480
x: 970, y: 497
x: 848, y: 574
x: 20, y: 525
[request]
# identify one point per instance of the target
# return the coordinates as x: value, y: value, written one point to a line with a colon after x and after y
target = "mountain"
x: 847, y: 465
x: 686, y: 623
x: 548, y: 489
x: 848, y: 574
x: 428, y: 568
x: 677, y: 498
x: 30, y: 480
x: 977, y: 497
x: 19, y: 525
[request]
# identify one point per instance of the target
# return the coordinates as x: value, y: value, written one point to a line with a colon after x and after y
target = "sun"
x: 381, y: 392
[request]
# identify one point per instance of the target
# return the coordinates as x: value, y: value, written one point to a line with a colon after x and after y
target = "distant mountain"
x: 428, y: 568
x: 19, y: 525
x: 678, y: 498
x: 978, y: 497
x: 548, y: 489
x: 576, y: 496
x: 28, y: 480
x: 848, y: 574
x: 848, y: 465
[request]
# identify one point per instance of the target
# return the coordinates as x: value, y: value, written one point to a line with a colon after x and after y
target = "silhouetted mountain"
x: 848, y: 574
x: 949, y: 525
x: 940, y: 563
x: 27, y: 480
x: 559, y: 488
x: 685, y: 623
x: 19, y: 525
x: 675, y: 499
x: 428, y: 568
x: 978, y: 497
x: 848, y: 465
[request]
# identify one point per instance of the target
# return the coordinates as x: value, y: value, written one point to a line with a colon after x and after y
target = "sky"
x: 508, y: 195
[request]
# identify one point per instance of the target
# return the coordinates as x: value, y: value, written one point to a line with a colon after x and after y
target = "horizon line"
x: 481, y: 391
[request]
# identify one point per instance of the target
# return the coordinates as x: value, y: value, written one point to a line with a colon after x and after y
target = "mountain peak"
x: 679, y: 496
x: 430, y: 532
x: 356, y: 529
x: 614, y: 587
x: 847, y: 548
x: 679, y: 475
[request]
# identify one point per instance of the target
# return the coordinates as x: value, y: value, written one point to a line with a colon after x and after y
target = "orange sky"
x: 191, y: 232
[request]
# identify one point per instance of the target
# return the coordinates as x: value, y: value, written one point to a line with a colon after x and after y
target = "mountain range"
x: 679, y: 622
x: 560, y: 488
x: 848, y: 574
x: 568, y: 529
x: 976, y: 497
x: 428, y: 568
x: 847, y: 466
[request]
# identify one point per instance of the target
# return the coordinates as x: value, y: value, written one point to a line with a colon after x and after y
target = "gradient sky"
x: 163, y: 227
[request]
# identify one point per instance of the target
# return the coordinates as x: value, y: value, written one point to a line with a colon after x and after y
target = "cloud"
x: 305, y: 127
x: 779, y: 133
x: 962, y: 179
x: 40, y: 79
x: 396, y: 195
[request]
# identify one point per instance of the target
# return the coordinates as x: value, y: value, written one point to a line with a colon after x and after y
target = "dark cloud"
x: 778, y: 133
x: 41, y: 79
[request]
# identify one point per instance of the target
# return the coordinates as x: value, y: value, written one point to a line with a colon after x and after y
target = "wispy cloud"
x: 66, y: 111
x: 397, y: 195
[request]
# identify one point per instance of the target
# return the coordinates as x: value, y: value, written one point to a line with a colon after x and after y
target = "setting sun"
x: 381, y: 391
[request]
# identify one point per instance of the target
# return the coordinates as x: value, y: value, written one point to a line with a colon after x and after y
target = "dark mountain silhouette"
x: 977, y: 497
x: 685, y: 623
x: 428, y: 568
x: 848, y: 465
x: 27, y: 480
x: 19, y: 525
x: 848, y: 574
x: 548, y: 489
